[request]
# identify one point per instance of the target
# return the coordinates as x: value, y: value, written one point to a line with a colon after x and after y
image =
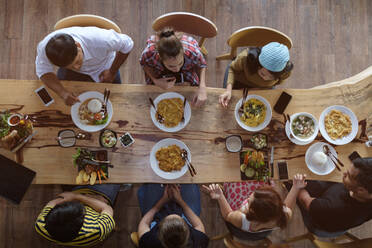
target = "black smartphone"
x: 44, y: 96
x: 177, y: 75
x: 282, y: 102
x: 283, y: 172
x: 354, y: 155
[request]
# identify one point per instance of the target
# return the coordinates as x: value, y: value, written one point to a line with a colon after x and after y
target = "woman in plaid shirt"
x: 168, y: 60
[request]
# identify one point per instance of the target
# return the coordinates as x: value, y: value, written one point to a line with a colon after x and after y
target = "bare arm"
x: 52, y: 82
x: 109, y: 75
x: 305, y: 198
x: 192, y: 217
x: 298, y: 184
x: 201, y: 95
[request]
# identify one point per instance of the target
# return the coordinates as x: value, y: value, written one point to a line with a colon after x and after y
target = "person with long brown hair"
x: 170, y: 60
x: 258, y: 215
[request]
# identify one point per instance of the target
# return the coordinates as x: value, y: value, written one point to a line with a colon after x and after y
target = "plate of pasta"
x: 256, y: 113
x: 170, y: 106
x: 166, y: 160
x: 338, y: 125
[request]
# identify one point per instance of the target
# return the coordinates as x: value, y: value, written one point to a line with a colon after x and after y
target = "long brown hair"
x: 173, y: 232
x: 168, y: 45
x: 267, y: 206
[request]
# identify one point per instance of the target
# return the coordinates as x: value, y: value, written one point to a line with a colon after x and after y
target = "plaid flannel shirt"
x: 194, y: 60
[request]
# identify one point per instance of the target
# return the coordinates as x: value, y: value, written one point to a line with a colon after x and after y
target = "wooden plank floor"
x: 332, y: 41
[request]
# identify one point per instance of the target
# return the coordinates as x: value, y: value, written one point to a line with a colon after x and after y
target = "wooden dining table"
x: 204, y: 135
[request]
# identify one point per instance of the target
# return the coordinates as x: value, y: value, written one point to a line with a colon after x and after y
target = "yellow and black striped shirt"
x: 96, y: 228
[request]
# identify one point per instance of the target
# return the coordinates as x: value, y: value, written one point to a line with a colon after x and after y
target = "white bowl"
x: 267, y: 117
x: 354, y: 125
x: 316, y: 127
x: 180, y: 125
x: 155, y: 164
x: 75, y: 112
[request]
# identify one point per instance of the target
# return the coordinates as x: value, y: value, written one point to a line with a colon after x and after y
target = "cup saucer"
x: 294, y: 140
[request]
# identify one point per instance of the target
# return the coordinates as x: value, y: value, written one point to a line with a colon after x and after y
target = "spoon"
x: 185, y: 157
x: 159, y: 116
x: 328, y: 153
x: 326, y: 148
x: 184, y: 104
x: 78, y: 136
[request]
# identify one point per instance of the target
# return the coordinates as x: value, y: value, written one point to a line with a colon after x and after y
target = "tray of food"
x: 91, y: 165
x: 254, y: 165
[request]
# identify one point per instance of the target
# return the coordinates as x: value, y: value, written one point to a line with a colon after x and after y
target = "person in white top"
x: 83, y: 54
x: 262, y: 212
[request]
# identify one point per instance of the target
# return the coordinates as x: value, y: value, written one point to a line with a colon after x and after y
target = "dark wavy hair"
x: 364, y: 177
x: 267, y: 206
x: 61, y: 50
x: 254, y: 64
x: 168, y: 45
x: 65, y: 220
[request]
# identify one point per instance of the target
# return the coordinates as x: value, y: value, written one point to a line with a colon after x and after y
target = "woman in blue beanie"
x: 257, y: 67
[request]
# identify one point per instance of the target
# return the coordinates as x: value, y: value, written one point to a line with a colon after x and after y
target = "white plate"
x: 294, y: 140
x: 155, y: 164
x: 320, y: 170
x: 267, y: 117
x: 75, y: 112
x: 181, y: 125
x: 354, y: 125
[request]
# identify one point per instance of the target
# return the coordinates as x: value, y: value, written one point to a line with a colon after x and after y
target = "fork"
x: 160, y: 118
x: 191, y: 167
x: 183, y: 115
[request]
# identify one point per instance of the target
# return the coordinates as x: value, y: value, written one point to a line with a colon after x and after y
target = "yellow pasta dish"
x: 170, y: 158
x: 171, y: 110
x: 337, y: 124
x: 254, y: 112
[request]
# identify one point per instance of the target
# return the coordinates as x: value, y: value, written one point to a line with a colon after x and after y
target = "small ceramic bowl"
x: 234, y: 143
x: 126, y: 140
x: 14, y: 119
x: 316, y: 126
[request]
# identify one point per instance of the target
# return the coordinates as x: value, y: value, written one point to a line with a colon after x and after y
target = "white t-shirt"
x: 99, y: 47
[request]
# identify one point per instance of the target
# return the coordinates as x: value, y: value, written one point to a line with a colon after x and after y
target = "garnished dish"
x: 126, y: 139
x: 253, y: 165
x: 169, y: 158
x: 171, y: 110
x: 89, y: 166
x: 303, y: 126
x: 254, y: 112
x: 92, y: 113
x: 13, y: 129
x: 108, y: 138
x: 259, y: 141
x: 337, y: 124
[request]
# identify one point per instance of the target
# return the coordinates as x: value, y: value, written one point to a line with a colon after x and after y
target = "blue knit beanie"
x: 274, y: 56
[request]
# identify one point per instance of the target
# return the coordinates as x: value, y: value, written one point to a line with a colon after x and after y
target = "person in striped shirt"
x: 83, y: 217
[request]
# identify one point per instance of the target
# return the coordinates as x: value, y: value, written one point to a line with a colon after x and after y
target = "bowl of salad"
x: 304, y: 126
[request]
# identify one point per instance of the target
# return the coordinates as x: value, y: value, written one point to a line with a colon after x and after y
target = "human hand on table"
x: 214, y: 191
x: 175, y: 193
x: 200, y: 97
x: 299, y: 181
x: 224, y: 98
x: 107, y: 76
x: 166, y: 195
x: 70, y: 98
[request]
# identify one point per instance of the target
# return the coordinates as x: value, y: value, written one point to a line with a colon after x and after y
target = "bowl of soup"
x: 304, y: 126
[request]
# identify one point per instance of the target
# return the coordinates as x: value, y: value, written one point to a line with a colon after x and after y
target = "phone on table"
x: 283, y: 171
x: 354, y: 155
x: 178, y: 76
x: 282, y: 102
x: 44, y: 95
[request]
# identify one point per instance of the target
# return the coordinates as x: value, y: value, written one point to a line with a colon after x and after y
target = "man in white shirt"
x: 83, y: 54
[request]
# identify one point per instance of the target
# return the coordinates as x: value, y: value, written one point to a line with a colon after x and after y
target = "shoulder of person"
x: 200, y: 238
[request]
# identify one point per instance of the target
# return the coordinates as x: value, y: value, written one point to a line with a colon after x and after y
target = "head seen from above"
x: 170, y: 50
x: 65, y: 220
x: 63, y: 51
x: 271, y: 61
x: 358, y: 179
x: 173, y: 232
x: 265, y: 205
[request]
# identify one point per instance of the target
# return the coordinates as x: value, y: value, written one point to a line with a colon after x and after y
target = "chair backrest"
x: 363, y: 243
x: 186, y: 22
x: 231, y: 243
x: 257, y: 36
x: 85, y: 20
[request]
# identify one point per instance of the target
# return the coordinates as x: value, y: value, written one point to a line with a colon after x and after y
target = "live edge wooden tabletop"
x: 204, y: 134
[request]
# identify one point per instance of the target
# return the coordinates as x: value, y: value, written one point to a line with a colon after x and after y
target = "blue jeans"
x: 70, y: 75
x: 109, y: 191
x: 149, y: 194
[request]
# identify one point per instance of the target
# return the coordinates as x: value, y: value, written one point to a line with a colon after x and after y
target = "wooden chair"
x: 360, y: 243
x: 231, y: 243
x: 254, y: 36
x: 85, y: 20
x: 189, y: 23
x: 322, y: 244
x: 134, y: 238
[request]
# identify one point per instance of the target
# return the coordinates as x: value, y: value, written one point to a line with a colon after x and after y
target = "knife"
x: 20, y: 145
x: 272, y: 162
